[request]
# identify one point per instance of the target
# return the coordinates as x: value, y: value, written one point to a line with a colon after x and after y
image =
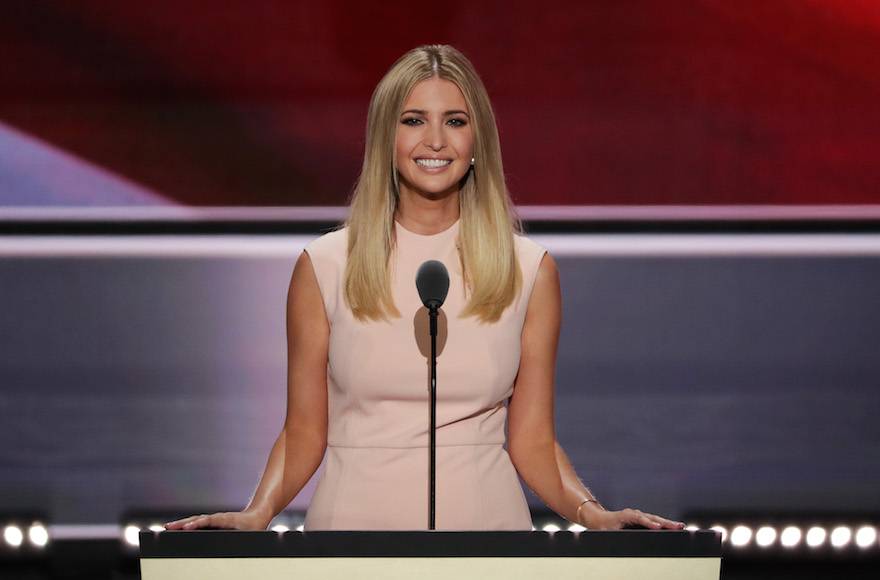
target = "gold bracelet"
x: 588, y: 500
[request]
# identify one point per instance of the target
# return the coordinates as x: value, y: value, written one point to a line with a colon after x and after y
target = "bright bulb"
x: 576, y: 528
x: 791, y: 537
x: 741, y: 535
x: 841, y: 536
x: 765, y: 536
x: 131, y: 535
x: 816, y: 537
x: 13, y: 536
x: 38, y: 535
x: 551, y: 528
x: 280, y: 528
x: 721, y: 530
x: 866, y: 536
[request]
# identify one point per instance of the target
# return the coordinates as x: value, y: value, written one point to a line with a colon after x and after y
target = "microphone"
x: 432, y: 282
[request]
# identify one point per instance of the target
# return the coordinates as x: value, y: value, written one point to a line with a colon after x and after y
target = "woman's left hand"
x: 628, y: 519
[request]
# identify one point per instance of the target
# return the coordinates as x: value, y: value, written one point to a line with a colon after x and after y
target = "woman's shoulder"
x: 529, y: 253
x: 332, y: 244
x: 528, y: 249
x: 328, y: 255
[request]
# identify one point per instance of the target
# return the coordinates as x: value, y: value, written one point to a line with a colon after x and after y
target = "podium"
x: 222, y: 555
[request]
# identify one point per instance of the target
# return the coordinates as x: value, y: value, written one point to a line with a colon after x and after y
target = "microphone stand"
x: 432, y: 442
x: 432, y: 282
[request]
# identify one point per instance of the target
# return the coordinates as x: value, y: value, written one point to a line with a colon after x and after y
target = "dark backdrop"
x: 747, y: 380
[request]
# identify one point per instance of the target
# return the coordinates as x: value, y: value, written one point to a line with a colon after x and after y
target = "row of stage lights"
x: 793, y: 537
x: 754, y: 535
x: 24, y: 537
x: 799, y: 535
x: 743, y: 536
x: 30, y: 536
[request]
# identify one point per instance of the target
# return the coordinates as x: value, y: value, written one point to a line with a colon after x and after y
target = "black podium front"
x: 221, y: 555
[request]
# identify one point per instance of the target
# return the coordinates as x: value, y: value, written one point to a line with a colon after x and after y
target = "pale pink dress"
x: 376, y: 472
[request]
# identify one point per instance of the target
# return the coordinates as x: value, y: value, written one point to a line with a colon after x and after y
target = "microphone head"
x: 432, y: 282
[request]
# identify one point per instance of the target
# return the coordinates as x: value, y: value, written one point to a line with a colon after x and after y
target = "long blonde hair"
x: 488, y: 221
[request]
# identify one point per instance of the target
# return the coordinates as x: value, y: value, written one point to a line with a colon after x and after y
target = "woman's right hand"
x: 221, y: 521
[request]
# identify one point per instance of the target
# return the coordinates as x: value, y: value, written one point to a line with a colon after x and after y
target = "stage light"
x: 288, y: 520
x: 131, y: 535
x: 765, y: 536
x: 38, y: 535
x: 576, y: 528
x: 866, y: 537
x: 787, y: 536
x: 816, y: 536
x: 24, y: 536
x: 13, y: 536
x: 550, y: 528
x: 791, y: 537
x: 741, y: 536
x: 841, y: 536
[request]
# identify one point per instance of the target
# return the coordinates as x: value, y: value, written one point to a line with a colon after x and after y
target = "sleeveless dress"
x: 378, y: 379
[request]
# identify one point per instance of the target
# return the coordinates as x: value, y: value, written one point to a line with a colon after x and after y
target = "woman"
x: 432, y: 187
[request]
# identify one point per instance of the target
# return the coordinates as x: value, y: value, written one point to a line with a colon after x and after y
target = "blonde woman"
x: 432, y: 187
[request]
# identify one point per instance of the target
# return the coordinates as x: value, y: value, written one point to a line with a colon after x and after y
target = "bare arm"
x: 298, y: 451
x: 537, y: 456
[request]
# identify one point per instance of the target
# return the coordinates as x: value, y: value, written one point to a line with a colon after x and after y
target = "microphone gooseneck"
x: 432, y: 282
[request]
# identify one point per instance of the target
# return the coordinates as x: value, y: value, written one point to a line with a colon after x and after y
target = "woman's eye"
x: 457, y: 122
x: 411, y: 121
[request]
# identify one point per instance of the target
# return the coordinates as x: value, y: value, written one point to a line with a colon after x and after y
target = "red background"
x: 262, y: 102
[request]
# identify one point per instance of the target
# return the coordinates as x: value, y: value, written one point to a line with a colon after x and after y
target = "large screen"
x: 262, y: 103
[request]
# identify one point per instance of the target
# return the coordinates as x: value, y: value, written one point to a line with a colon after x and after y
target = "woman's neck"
x: 427, y: 216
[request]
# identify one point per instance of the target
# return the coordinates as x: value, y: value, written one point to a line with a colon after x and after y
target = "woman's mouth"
x: 433, y: 163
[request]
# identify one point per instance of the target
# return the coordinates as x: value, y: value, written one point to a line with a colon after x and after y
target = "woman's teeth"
x: 433, y: 162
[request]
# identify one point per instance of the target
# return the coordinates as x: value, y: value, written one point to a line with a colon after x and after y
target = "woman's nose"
x: 436, y: 138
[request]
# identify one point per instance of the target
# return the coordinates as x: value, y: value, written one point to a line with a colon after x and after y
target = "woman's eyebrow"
x: 424, y: 113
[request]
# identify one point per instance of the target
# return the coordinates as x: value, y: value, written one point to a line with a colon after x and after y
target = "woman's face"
x: 434, y: 140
